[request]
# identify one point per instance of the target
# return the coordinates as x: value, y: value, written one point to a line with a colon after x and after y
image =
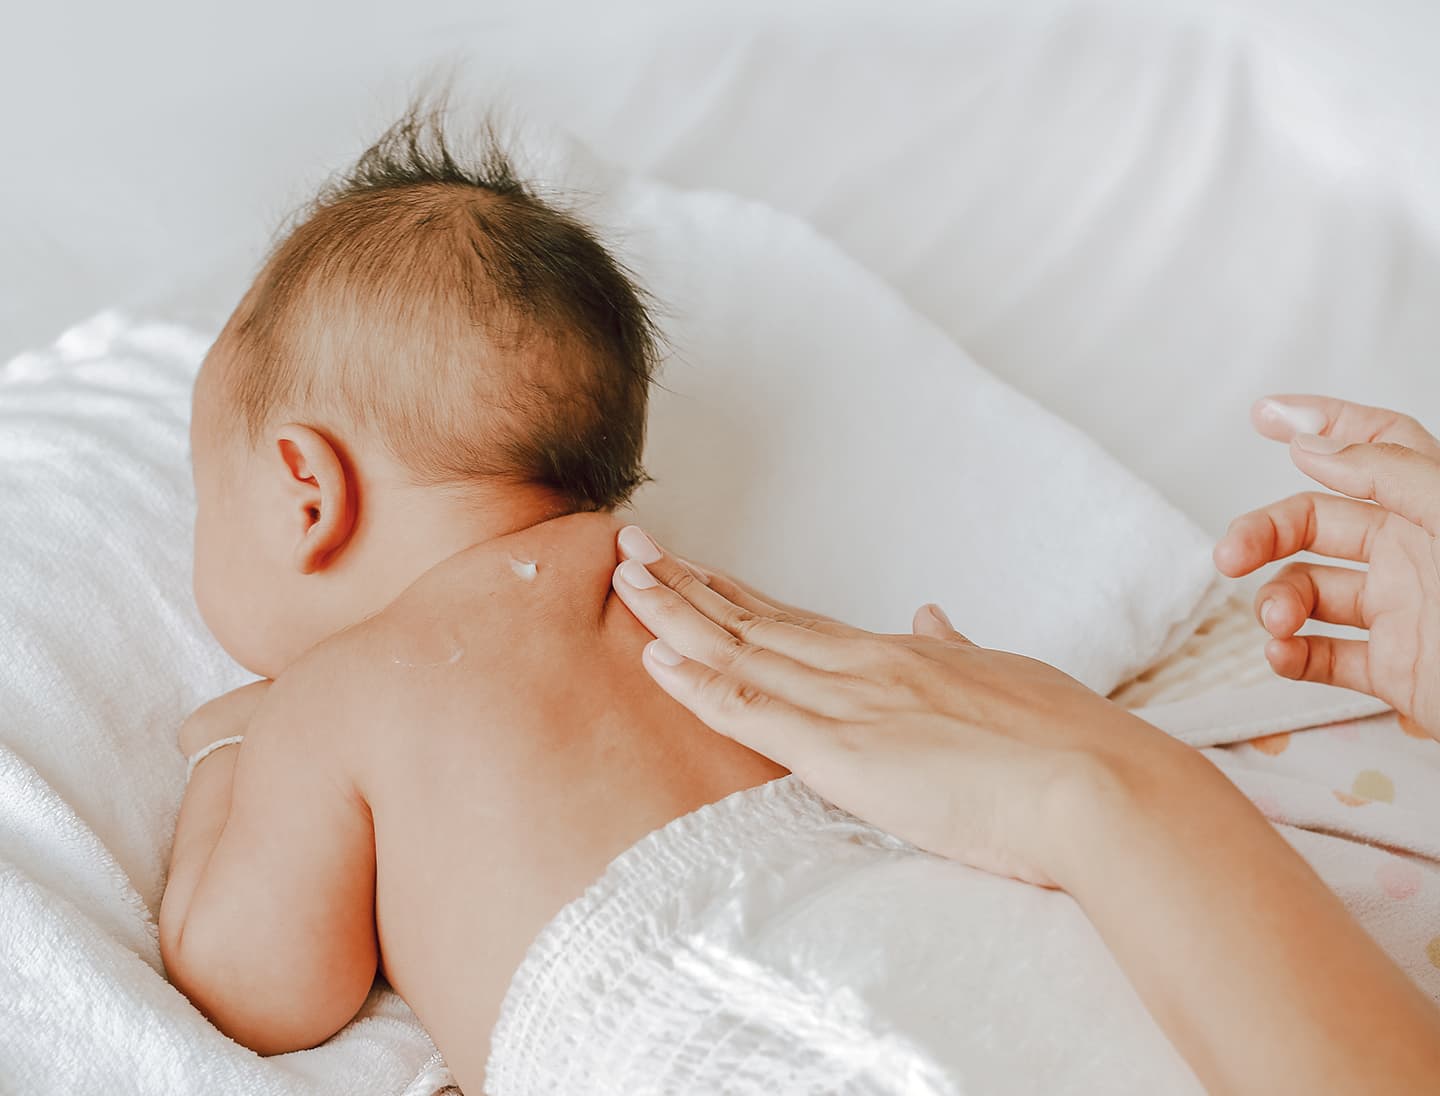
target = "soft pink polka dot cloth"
x: 1360, y: 800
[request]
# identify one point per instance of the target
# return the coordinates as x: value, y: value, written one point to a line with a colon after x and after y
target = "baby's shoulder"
x: 507, y: 643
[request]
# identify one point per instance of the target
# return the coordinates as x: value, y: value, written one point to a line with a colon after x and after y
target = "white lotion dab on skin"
x: 455, y: 656
x: 525, y: 569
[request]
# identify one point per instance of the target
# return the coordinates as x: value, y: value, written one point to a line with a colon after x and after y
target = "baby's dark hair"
x: 478, y: 330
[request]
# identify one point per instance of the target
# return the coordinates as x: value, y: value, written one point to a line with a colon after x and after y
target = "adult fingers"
x: 1301, y: 591
x: 789, y: 735
x: 666, y: 618
x: 686, y: 632
x: 1401, y: 480
x: 748, y: 597
x: 1312, y: 521
x: 709, y: 596
x: 1281, y: 418
x: 1332, y: 661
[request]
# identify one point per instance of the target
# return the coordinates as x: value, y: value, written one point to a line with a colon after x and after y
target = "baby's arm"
x: 267, y: 923
x: 222, y: 717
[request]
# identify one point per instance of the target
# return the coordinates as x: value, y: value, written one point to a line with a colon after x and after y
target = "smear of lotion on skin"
x: 455, y: 657
x: 525, y: 570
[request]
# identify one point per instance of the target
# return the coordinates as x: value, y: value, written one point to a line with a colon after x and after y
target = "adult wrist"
x: 1101, y: 805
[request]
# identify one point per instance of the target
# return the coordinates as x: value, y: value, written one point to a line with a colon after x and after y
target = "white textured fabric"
x: 105, y: 655
x: 771, y: 942
x: 1226, y: 651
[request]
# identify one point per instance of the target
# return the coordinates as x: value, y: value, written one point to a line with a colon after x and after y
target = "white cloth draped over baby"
x: 772, y: 942
x: 815, y: 436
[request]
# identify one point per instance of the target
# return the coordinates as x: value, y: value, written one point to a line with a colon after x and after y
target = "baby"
x: 408, y: 444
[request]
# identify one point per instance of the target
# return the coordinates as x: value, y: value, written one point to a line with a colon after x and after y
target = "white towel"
x: 104, y: 656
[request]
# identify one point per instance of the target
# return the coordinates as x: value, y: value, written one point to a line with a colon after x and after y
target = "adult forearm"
x: 1253, y: 968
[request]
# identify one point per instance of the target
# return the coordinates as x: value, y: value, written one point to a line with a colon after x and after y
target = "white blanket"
x: 815, y: 436
x: 104, y: 655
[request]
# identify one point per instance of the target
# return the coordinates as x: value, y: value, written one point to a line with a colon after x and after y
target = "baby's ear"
x: 320, y: 498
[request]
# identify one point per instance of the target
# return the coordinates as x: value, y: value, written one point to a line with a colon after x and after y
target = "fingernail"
x: 1314, y: 443
x: 637, y: 545
x: 663, y: 653
x: 1266, y: 608
x: 637, y: 575
x: 939, y: 614
x: 1303, y: 420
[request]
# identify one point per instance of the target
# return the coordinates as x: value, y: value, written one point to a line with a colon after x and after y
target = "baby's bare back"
x: 510, y: 746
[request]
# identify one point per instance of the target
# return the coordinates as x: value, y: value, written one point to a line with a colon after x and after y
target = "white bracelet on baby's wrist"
x: 200, y: 755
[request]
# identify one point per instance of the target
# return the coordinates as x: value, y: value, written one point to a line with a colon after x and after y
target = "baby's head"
x: 432, y: 357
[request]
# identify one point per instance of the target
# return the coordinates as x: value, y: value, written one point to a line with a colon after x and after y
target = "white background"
x: 1143, y: 215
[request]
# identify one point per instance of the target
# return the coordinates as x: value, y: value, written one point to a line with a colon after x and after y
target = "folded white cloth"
x: 772, y: 942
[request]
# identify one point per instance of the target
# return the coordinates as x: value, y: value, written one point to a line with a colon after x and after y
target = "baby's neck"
x: 406, y: 531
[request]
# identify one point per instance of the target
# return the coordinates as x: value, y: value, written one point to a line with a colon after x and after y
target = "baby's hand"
x: 223, y: 717
x: 1366, y: 453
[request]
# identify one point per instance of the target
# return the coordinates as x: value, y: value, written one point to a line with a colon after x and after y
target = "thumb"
x: 930, y: 620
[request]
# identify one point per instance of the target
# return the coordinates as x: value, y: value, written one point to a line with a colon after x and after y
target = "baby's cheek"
x: 214, y: 545
x: 203, y: 568
x: 219, y: 589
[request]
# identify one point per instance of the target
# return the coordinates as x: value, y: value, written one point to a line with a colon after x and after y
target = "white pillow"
x: 817, y: 437
x: 813, y: 435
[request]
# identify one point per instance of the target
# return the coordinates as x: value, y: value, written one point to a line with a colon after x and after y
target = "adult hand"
x: 978, y: 755
x: 1368, y: 454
